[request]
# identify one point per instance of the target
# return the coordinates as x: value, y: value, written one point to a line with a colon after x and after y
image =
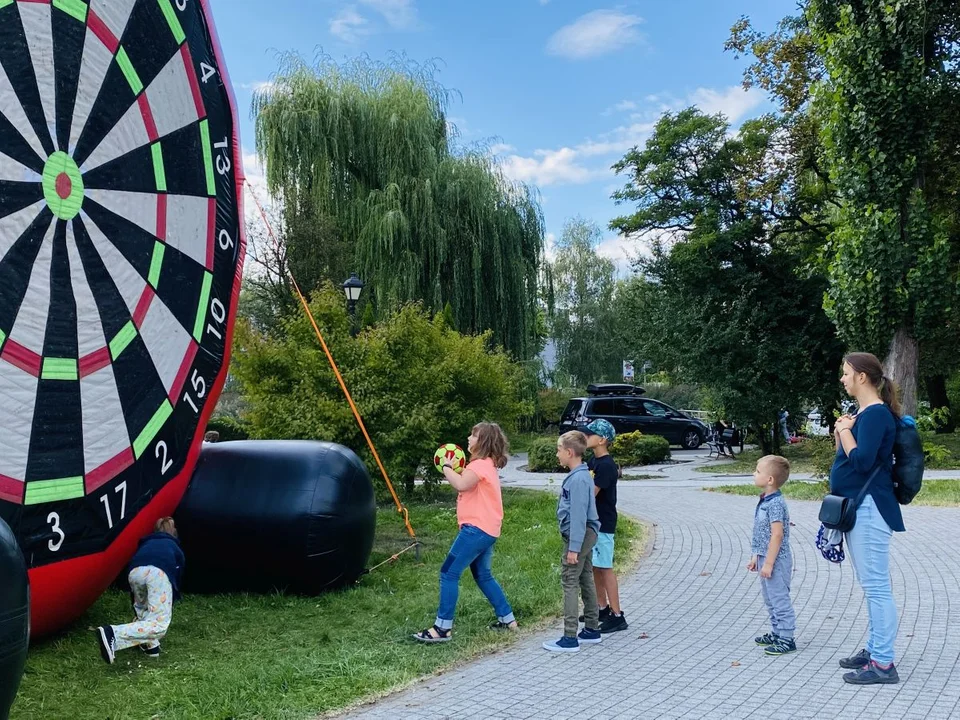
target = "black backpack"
x: 908, y: 461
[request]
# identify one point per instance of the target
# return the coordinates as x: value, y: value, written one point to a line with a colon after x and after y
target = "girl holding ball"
x: 480, y: 516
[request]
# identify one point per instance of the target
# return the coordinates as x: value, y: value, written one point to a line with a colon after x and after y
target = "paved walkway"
x: 693, y: 613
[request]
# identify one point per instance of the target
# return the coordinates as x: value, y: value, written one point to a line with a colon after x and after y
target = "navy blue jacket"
x: 874, y: 431
x: 162, y: 551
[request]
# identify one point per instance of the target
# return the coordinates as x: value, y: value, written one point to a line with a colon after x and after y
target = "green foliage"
x: 542, y: 456
x: 416, y: 382
x: 584, y: 315
x: 682, y: 396
x: 821, y: 452
x: 229, y: 428
x: 932, y: 419
x: 937, y: 455
x: 724, y: 304
x: 361, y: 151
x: 635, y: 448
x: 889, y: 102
x: 551, y: 402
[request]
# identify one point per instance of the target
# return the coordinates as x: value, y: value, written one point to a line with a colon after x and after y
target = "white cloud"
x: 544, y: 2
x: 549, y: 167
x: 501, y: 148
x: 734, y: 102
x: 596, y: 33
x: 348, y: 24
x: 399, y: 14
x: 258, y: 86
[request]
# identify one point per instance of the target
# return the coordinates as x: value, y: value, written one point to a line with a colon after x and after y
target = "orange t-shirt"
x: 481, y: 506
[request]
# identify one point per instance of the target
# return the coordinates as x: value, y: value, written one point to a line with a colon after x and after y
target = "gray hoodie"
x: 578, y: 507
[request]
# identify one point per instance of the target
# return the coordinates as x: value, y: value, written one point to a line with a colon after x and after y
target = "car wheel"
x: 691, y: 439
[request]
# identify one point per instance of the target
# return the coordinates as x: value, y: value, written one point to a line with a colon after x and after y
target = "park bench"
x: 719, y: 444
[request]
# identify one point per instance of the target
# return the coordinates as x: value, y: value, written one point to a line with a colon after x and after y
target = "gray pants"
x: 776, y: 595
x: 579, y: 576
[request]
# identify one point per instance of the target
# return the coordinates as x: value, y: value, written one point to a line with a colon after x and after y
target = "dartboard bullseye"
x: 120, y: 243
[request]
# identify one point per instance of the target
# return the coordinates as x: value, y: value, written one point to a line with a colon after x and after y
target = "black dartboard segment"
x: 119, y: 250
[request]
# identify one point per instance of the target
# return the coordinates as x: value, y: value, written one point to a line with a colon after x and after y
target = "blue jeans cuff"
x: 507, y: 619
x: 444, y: 624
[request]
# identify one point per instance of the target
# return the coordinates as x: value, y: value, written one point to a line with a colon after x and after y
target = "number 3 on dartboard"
x: 54, y: 521
x: 105, y: 499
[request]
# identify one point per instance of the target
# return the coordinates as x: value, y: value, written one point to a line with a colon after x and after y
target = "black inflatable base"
x: 14, y: 618
x: 276, y: 514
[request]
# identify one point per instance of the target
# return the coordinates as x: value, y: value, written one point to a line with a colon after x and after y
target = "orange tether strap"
x: 401, y: 508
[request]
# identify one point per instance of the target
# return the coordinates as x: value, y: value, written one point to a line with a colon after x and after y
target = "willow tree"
x: 890, y: 104
x: 368, y: 146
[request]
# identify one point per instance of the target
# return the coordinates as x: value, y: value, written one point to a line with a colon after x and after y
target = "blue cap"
x: 602, y: 428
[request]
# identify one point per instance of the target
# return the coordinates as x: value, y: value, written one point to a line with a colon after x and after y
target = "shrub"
x: 416, y: 382
x: 228, y: 427
x: 635, y: 448
x: 822, y: 454
x: 542, y: 456
x: 936, y: 455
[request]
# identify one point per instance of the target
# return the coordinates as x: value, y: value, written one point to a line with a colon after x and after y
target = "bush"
x: 416, y: 382
x: 936, y: 455
x: 542, y: 456
x: 635, y: 448
x: 823, y: 452
x: 228, y: 427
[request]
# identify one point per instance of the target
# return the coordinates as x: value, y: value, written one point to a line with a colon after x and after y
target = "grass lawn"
x: 939, y: 493
x: 278, y: 656
x: 799, y: 455
x: 644, y: 477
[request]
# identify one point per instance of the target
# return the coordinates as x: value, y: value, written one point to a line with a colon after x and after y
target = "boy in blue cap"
x: 600, y: 436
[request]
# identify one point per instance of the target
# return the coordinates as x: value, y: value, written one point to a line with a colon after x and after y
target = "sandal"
x: 498, y: 625
x: 426, y: 636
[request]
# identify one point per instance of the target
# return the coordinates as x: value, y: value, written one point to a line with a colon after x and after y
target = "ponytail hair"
x: 869, y: 365
x: 890, y: 396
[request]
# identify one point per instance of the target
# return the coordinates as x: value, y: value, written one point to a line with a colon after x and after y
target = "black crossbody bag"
x: 840, y: 513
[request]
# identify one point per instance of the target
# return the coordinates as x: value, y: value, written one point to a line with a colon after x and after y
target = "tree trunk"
x: 901, y: 366
x: 937, y: 393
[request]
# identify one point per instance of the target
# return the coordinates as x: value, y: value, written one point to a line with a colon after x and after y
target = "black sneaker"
x: 614, y: 623
x: 855, y: 662
x: 153, y: 652
x: 782, y: 646
x: 767, y: 639
x: 604, y: 614
x: 873, y: 674
x: 108, y: 644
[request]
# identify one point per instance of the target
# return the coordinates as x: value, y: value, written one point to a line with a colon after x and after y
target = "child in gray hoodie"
x: 579, y: 525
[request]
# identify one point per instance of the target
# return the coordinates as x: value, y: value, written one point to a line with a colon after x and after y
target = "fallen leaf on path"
x: 735, y: 663
x: 643, y: 636
x: 705, y: 574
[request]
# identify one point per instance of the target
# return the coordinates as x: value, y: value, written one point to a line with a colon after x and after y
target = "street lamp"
x: 352, y: 289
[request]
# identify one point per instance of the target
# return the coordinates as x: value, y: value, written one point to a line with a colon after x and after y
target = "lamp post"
x: 352, y: 287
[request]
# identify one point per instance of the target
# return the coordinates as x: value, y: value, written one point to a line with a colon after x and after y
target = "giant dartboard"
x: 120, y: 254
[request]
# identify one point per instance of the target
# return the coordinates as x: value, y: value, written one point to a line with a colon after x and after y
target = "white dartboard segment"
x: 38, y: 28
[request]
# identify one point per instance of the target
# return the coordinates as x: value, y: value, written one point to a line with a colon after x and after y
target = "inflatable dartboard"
x: 120, y: 256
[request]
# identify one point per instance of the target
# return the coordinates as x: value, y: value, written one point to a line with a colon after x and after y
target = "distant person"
x: 770, y: 548
x: 579, y: 525
x: 154, y: 576
x: 211, y: 436
x: 784, y: 415
x: 600, y: 436
x: 865, y: 455
x: 480, y: 517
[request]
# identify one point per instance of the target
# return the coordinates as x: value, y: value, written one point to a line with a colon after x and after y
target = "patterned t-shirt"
x: 771, y: 508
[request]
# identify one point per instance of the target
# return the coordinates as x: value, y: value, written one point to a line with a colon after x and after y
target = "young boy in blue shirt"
x: 579, y: 525
x: 771, y: 554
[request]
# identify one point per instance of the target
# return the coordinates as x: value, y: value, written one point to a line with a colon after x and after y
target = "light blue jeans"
x: 869, y: 547
x: 472, y: 548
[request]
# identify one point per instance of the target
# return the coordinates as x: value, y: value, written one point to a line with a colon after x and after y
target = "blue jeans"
x: 474, y: 548
x: 869, y: 547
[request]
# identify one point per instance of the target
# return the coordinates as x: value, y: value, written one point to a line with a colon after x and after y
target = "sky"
x: 559, y: 90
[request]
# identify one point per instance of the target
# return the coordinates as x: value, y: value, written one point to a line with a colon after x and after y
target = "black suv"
x: 623, y: 406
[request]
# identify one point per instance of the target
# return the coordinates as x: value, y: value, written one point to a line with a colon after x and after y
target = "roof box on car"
x: 614, y: 389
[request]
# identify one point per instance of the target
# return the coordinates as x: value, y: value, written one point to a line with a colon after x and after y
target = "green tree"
x: 417, y: 383
x: 724, y: 306
x: 889, y: 101
x: 361, y: 155
x: 583, y: 320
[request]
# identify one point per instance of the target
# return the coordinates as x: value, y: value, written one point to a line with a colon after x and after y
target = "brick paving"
x: 693, y: 613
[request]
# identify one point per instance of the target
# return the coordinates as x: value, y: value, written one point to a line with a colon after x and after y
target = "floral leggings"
x: 153, y: 604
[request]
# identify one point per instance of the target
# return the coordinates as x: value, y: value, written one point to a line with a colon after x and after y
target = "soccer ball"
x: 450, y: 453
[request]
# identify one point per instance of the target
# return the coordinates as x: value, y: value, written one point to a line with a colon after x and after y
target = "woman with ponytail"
x: 865, y: 457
